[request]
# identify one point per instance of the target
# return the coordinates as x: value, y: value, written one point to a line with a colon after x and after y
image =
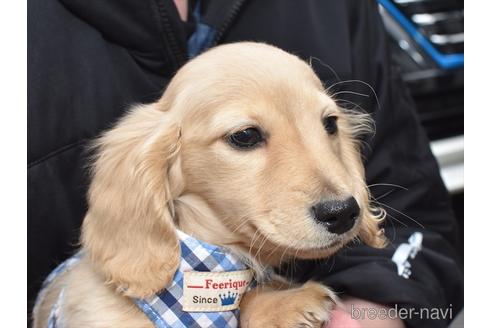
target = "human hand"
x: 341, y: 316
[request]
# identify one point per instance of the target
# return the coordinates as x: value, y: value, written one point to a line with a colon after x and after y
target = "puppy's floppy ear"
x: 128, y: 231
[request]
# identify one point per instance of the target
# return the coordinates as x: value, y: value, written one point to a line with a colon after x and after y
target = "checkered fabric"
x: 165, y: 308
x: 54, y: 318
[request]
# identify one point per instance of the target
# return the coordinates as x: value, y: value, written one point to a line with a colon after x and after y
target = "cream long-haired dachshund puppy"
x: 245, y: 150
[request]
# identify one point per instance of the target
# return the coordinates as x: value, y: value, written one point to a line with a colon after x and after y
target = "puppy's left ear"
x: 129, y: 231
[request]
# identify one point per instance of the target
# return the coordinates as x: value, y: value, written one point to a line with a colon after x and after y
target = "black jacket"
x: 89, y: 60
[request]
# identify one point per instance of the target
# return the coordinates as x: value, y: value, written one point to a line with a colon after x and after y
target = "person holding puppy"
x: 108, y: 55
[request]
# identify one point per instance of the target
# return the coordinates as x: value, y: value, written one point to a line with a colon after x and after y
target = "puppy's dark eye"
x: 245, y: 139
x: 330, y: 124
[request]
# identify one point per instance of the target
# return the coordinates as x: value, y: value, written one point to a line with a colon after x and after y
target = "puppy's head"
x: 245, y: 149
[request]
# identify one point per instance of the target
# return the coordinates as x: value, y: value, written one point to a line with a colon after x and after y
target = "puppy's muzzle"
x: 338, y: 216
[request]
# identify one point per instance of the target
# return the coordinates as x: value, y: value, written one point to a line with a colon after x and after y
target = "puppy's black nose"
x: 338, y: 216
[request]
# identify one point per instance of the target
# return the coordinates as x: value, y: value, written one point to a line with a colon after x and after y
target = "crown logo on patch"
x: 228, y: 299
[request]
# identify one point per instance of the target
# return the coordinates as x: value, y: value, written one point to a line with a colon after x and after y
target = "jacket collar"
x: 151, y: 30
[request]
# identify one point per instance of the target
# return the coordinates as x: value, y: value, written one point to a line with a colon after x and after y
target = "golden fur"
x: 168, y: 165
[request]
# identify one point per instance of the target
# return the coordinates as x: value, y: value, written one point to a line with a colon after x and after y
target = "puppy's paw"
x: 308, y: 306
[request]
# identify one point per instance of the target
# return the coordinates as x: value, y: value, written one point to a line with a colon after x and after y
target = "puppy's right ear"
x: 128, y: 232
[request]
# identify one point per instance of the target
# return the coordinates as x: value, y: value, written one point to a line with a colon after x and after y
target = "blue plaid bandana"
x: 54, y: 316
x: 206, y: 289
x: 205, y: 292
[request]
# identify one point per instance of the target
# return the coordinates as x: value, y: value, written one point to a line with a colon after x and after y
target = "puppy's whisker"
x: 394, y: 229
x: 265, y: 238
x: 251, y: 245
x: 349, y: 92
x: 245, y: 221
x: 405, y: 215
x: 273, y: 250
x: 283, y: 254
x: 293, y: 266
x: 387, y: 184
x: 384, y: 195
x: 392, y: 217
x: 358, y: 81
x: 333, y: 262
x: 261, y: 245
x: 324, y: 65
x: 357, y: 106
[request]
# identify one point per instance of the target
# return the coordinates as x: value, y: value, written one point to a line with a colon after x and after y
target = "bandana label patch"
x: 214, y: 291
